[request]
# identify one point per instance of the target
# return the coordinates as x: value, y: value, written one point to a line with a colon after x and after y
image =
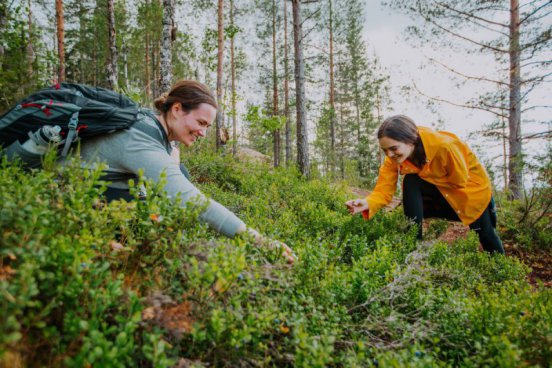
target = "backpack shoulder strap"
x: 157, y: 133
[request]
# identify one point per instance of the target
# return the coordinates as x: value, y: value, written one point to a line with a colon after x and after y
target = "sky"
x: 385, y: 35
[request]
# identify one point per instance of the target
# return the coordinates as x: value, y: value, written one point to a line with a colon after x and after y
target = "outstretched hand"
x: 287, y: 252
x: 357, y: 206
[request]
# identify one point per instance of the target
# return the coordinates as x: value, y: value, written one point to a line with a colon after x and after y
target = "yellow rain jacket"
x: 450, y: 165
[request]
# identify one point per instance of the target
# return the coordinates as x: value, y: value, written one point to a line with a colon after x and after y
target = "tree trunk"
x: 515, y: 164
x: 378, y: 107
x: 95, y: 62
x: 286, y: 89
x: 60, y: 31
x: 332, y: 93
x: 166, y: 47
x: 302, y: 138
x: 3, y: 25
x: 219, y: 73
x: 125, y: 62
x: 504, y: 156
x: 341, y: 143
x: 147, y: 67
x: 275, y: 113
x: 30, y: 48
x: 359, y: 138
x: 155, y: 57
x: 112, y: 69
x: 233, y: 86
x: 147, y: 60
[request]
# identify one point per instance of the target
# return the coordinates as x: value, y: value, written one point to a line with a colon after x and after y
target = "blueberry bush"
x: 84, y: 283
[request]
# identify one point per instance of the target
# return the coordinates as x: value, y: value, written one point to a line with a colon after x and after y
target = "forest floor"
x: 540, y: 261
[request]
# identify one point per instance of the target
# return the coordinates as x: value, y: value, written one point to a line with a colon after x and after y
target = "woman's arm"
x: 385, y: 187
x: 382, y: 194
x: 143, y: 154
x: 261, y: 240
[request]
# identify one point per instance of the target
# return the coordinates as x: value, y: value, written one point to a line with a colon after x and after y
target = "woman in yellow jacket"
x: 442, y: 178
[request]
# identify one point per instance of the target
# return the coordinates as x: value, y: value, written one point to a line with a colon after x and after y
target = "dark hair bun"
x: 160, y: 101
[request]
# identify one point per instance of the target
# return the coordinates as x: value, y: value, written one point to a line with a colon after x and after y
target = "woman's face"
x: 395, y: 150
x: 186, y: 127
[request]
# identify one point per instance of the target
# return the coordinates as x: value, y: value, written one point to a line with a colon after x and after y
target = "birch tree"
x: 112, y: 69
x: 166, y: 47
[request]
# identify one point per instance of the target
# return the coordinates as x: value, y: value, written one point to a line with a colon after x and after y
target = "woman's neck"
x: 165, y: 126
x: 418, y: 156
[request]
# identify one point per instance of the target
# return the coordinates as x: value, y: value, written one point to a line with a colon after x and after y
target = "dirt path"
x: 540, y: 261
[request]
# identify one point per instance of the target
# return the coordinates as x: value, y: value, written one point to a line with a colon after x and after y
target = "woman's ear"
x: 176, y: 107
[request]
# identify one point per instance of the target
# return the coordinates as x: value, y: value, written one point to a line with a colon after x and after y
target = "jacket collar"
x: 429, y: 139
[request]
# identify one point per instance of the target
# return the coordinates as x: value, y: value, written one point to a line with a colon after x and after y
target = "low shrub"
x: 85, y: 283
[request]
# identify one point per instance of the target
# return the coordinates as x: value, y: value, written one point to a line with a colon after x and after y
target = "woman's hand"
x: 261, y: 240
x: 357, y: 206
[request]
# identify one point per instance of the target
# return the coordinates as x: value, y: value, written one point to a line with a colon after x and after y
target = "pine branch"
x: 468, y: 76
x: 473, y: 107
x: 547, y: 134
x: 541, y: 16
x: 322, y: 50
x: 535, y: 11
x: 310, y: 16
x: 536, y: 62
x: 537, y: 43
x: 467, y: 39
x: 536, y: 107
x: 305, y: 34
x: 468, y: 15
x: 536, y: 80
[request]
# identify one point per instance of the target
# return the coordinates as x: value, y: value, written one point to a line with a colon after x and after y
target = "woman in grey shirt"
x: 185, y: 114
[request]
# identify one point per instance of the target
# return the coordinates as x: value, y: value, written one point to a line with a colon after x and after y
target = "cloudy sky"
x: 385, y: 35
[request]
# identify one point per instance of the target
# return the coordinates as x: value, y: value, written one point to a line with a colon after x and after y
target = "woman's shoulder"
x: 437, y: 138
x: 436, y: 135
x: 147, y: 130
x: 438, y: 143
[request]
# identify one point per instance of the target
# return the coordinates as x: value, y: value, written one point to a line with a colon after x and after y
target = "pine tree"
x: 219, y: 122
x: 522, y: 40
x: 302, y: 137
x: 286, y: 88
x: 60, y: 32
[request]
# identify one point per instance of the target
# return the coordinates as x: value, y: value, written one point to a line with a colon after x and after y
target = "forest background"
x: 442, y: 65
x: 305, y: 83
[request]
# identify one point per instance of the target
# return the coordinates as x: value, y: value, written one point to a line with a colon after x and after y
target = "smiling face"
x: 395, y: 150
x: 186, y: 127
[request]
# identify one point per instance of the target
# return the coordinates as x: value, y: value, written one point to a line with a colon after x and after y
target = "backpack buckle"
x: 71, y: 134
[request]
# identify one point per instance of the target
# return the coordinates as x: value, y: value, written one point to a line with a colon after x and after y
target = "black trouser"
x: 112, y: 194
x: 423, y: 200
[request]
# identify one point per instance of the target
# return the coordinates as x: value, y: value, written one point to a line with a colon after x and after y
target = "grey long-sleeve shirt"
x: 131, y: 150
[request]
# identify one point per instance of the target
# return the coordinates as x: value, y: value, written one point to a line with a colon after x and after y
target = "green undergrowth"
x: 142, y: 284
